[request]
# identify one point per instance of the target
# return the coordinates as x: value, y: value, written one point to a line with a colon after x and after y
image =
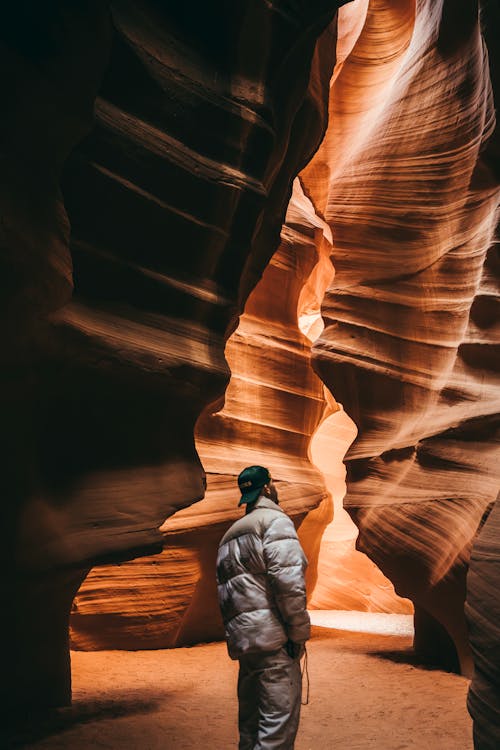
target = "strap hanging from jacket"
x: 305, y: 672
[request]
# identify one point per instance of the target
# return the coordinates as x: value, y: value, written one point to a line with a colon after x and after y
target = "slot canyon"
x: 260, y: 232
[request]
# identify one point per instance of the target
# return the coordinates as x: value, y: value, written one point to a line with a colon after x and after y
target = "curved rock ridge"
x: 122, y: 286
x: 273, y: 404
x: 346, y: 578
x: 175, y: 202
x: 407, y: 179
x: 171, y: 227
x: 339, y: 576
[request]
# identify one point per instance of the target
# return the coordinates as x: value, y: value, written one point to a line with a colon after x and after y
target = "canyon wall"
x: 126, y: 267
x: 483, y: 614
x: 407, y: 179
x: 149, y: 155
x: 273, y: 404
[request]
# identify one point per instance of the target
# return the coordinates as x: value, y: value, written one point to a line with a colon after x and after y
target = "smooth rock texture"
x: 407, y: 179
x: 483, y: 615
x: 175, y: 202
x: 273, y: 405
x: 344, y: 578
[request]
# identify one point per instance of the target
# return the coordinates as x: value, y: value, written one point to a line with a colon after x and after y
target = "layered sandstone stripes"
x: 273, y: 405
x: 406, y: 180
x: 173, y: 207
x: 175, y: 203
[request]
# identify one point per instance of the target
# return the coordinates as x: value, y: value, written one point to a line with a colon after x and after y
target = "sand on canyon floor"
x: 366, y: 693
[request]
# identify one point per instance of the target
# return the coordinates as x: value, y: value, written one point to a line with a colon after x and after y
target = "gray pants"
x: 269, y: 694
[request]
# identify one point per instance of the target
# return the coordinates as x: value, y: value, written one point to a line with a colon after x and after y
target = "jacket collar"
x: 266, y: 502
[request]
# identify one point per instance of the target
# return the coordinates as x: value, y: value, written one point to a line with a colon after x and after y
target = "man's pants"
x: 269, y: 694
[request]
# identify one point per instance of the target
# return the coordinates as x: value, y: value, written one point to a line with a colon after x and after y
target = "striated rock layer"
x: 407, y: 179
x: 273, y: 404
x: 483, y: 591
x: 175, y: 203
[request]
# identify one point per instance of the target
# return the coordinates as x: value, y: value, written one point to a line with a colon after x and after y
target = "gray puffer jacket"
x: 260, y: 577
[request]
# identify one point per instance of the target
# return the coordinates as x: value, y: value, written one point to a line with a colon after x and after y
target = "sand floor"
x: 366, y: 694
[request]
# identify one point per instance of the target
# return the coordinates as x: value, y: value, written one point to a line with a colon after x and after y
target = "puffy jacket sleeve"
x: 286, y: 564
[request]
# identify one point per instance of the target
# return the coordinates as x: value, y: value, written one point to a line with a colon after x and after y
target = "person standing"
x: 262, y: 597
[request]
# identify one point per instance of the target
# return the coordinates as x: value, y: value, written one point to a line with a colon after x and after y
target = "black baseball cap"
x: 251, y: 481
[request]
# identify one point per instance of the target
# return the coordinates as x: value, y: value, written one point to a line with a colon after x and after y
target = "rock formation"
x: 148, y: 158
x: 407, y: 179
x: 483, y: 614
x: 483, y: 592
x: 273, y: 404
x: 346, y: 579
x: 175, y: 203
x: 52, y: 61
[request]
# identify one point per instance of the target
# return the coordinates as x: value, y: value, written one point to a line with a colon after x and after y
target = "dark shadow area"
x: 20, y: 729
x: 408, y: 656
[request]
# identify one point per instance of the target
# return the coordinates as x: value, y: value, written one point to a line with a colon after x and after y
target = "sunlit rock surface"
x: 344, y: 578
x: 273, y: 404
x: 407, y: 179
x: 175, y: 203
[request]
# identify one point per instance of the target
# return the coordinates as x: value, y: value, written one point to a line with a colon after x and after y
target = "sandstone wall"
x: 175, y: 203
x: 483, y: 614
x: 407, y: 179
x: 134, y: 228
x: 273, y: 404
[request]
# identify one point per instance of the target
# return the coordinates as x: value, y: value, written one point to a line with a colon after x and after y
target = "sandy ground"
x: 366, y: 693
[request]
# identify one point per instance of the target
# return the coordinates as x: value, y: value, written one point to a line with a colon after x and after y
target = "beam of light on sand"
x: 380, y: 623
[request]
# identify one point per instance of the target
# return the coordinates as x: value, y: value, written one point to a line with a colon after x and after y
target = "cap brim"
x: 250, y: 497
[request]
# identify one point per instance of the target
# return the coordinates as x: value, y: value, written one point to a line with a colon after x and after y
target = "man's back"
x: 260, y: 576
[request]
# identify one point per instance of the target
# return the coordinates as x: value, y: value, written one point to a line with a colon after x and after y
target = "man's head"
x: 255, y: 481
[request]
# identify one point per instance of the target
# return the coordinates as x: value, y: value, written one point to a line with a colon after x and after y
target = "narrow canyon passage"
x: 365, y: 694
x: 233, y: 234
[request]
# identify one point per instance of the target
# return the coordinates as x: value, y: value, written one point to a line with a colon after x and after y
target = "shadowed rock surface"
x: 273, y: 404
x: 175, y: 202
x: 483, y: 614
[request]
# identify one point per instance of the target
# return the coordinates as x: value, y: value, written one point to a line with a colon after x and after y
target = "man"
x: 262, y: 596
